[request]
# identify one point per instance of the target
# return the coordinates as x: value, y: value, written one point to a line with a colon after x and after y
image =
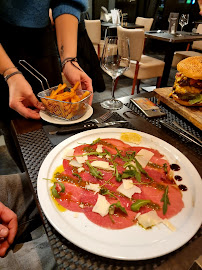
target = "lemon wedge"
x: 131, y: 137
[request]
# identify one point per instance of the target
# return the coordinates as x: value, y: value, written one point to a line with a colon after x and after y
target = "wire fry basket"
x: 63, y: 109
x: 58, y: 108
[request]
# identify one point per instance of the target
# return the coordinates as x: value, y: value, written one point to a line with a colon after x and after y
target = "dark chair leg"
x: 158, y: 82
x: 135, y: 78
x: 138, y: 86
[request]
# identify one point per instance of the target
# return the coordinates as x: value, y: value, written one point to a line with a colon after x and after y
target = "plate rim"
x: 87, y: 115
x: 69, y: 140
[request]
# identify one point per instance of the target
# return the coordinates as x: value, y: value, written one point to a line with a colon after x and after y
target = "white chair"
x: 197, y: 45
x: 146, y: 22
x: 93, y: 28
x: 141, y: 66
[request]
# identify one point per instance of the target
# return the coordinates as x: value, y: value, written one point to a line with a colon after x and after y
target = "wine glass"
x: 115, y: 61
x: 184, y: 19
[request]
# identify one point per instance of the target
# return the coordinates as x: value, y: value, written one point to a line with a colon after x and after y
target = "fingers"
x: 9, y: 220
x: 13, y: 228
x: 3, y: 248
x: 27, y: 112
x: 3, y: 231
x: 34, y: 101
x: 22, y: 107
x: 4, y: 245
x: 86, y: 82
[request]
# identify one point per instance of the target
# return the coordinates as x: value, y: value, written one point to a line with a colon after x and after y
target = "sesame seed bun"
x: 191, y: 67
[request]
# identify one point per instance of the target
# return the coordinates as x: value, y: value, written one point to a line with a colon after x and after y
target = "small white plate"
x: 54, y: 120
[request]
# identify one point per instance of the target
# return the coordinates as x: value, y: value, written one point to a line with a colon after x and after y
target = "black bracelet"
x: 12, y: 74
x: 71, y: 60
x: 7, y: 69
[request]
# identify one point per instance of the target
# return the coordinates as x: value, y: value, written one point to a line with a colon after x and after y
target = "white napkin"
x: 115, y: 16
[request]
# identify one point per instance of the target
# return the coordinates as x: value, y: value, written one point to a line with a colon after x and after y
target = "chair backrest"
x: 136, y: 39
x: 93, y: 28
x: 146, y: 22
x: 197, y: 45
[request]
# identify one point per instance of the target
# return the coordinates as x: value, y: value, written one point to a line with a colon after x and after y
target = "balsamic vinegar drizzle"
x: 175, y: 167
x: 178, y: 178
x: 183, y: 187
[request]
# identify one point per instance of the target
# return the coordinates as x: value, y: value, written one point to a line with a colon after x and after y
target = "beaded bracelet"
x: 71, y: 60
x: 12, y: 74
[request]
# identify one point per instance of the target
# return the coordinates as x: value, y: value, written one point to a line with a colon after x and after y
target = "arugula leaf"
x: 165, y: 167
x: 105, y: 191
x: 117, y: 174
x: 130, y: 155
x: 138, y: 204
x: 95, y: 154
x: 55, y: 193
x: 132, y: 172
x: 108, y: 153
x: 165, y: 200
x: 117, y: 205
x: 139, y: 166
x: 95, y: 141
x: 77, y: 175
x: 94, y: 171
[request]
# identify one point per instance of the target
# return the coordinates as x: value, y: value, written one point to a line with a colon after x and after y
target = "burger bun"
x: 191, y: 67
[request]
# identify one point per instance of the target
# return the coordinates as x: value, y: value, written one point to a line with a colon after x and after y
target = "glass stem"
x: 181, y: 28
x: 113, y: 84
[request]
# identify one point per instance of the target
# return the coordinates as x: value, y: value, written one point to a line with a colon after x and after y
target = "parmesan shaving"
x: 69, y: 153
x: 102, y: 165
x: 94, y: 187
x: 99, y: 148
x: 82, y: 159
x: 129, y: 190
x: 102, y: 206
x: 143, y: 157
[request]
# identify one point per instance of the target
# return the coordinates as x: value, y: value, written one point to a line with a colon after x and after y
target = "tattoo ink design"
x: 62, y: 50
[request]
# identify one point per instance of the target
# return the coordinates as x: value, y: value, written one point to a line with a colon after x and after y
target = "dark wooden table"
x: 172, y: 45
x: 29, y: 136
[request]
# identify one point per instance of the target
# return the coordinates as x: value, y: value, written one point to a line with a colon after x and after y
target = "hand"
x: 200, y: 6
x: 21, y: 97
x: 8, y: 228
x: 74, y: 75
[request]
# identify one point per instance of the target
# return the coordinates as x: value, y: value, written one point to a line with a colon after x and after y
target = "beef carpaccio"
x: 114, y: 183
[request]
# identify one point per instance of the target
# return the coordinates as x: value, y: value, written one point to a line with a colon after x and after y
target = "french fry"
x: 58, y: 90
x: 75, y: 86
x: 85, y: 94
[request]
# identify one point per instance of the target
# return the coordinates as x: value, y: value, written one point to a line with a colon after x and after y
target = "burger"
x: 187, y: 89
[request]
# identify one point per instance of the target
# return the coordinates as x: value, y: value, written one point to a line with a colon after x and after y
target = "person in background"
x: 26, y: 33
x: 200, y: 6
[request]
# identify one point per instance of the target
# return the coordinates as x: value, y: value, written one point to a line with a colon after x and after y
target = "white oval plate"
x: 133, y: 243
x: 54, y: 120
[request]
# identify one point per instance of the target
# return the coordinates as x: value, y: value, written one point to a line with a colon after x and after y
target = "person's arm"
x: 8, y: 228
x: 66, y: 30
x: 200, y: 6
x: 21, y: 96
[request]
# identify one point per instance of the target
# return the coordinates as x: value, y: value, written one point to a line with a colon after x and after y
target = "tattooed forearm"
x: 62, y: 51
